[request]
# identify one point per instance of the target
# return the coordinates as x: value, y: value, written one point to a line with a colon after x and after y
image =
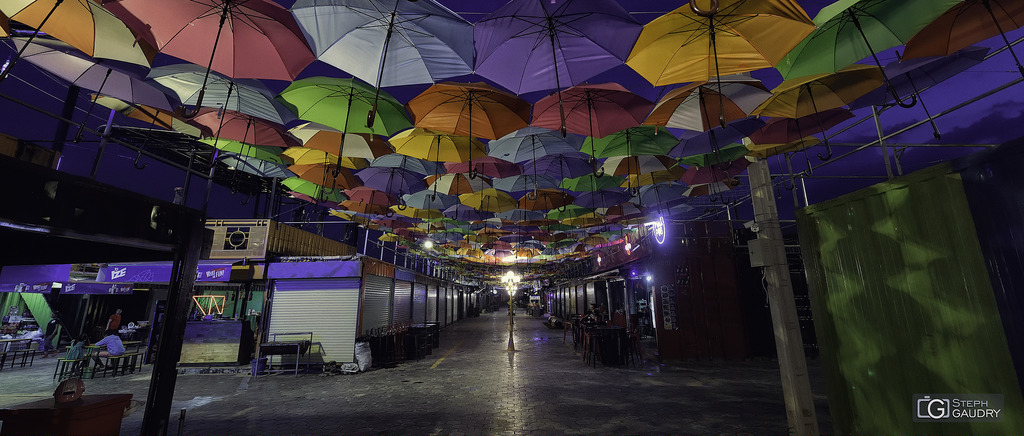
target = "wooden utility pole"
x: 796, y: 386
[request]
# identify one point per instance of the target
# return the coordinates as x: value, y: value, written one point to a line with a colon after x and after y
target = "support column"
x: 179, y: 298
x: 796, y: 385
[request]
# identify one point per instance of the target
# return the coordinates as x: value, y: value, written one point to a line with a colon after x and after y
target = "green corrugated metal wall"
x: 902, y: 306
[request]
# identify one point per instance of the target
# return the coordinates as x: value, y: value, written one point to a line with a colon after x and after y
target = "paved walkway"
x: 468, y: 386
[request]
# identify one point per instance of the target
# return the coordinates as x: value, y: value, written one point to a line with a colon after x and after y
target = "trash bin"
x: 259, y: 366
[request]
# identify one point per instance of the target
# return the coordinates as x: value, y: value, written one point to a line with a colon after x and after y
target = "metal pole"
x: 881, y: 141
x: 796, y: 385
x: 511, y: 320
x: 103, y: 145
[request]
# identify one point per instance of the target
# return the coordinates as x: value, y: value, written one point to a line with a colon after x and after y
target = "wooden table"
x: 89, y: 415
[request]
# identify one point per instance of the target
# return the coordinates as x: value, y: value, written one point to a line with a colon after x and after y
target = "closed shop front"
x: 402, y: 302
x: 329, y: 308
x: 419, y: 303
x: 376, y: 302
x: 442, y: 304
x: 432, y: 303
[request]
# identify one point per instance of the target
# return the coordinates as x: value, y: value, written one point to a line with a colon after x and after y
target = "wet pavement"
x: 468, y: 386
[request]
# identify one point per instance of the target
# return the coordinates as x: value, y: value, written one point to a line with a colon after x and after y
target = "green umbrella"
x: 570, y: 211
x: 312, y: 190
x: 728, y: 153
x: 262, y: 152
x: 634, y: 141
x: 558, y: 227
x: 851, y: 30
x: 343, y: 104
x: 563, y: 243
x: 591, y: 183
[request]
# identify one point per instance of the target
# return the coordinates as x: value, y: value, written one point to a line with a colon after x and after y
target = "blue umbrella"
x: 660, y: 193
x: 248, y: 96
x: 602, y: 198
x: 517, y: 185
x: 428, y: 199
x: 560, y: 166
x: 521, y: 215
x: 711, y: 141
x: 530, y: 143
x: 391, y: 180
x: 395, y: 160
x: 466, y: 213
x: 255, y: 166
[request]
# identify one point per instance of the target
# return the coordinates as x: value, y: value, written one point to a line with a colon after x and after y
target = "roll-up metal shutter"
x: 376, y: 302
x: 402, y: 302
x: 581, y: 305
x: 432, y: 303
x: 328, y: 307
x: 591, y: 295
x: 442, y: 304
x: 419, y: 303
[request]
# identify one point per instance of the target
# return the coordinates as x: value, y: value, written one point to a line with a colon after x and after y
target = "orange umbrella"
x: 327, y: 139
x: 324, y: 175
x: 5, y: 26
x: 157, y: 117
x: 703, y: 105
x: 966, y: 23
x: 469, y: 109
x: 545, y: 199
x: 456, y: 184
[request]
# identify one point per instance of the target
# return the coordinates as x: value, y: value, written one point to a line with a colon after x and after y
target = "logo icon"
x: 932, y: 408
x: 117, y: 273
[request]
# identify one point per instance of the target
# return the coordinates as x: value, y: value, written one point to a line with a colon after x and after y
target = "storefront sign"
x: 161, y: 272
x: 303, y: 270
x: 33, y: 288
x: 97, y: 288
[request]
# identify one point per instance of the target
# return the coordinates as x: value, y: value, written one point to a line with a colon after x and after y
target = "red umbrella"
x: 369, y: 195
x: 624, y: 211
x: 358, y: 206
x: 545, y: 199
x: 786, y: 130
x: 591, y: 110
x: 327, y: 176
x: 244, y: 128
x: 488, y: 166
x: 714, y: 173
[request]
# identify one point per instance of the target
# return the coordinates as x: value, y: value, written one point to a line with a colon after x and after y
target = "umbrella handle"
x: 401, y: 204
x: 598, y: 171
x: 532, y: 195
x: 634, y: 191
x: 188, y: 115
x: 136, y: 164
x: 473, y: 173
x: 371, y: 116
x: 704, y: 13
x: 390, y: 213
x: 247, y: 198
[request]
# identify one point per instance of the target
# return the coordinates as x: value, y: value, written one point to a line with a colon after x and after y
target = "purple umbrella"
x: 532, y: 143
x: 521, y: 215
x: 465, y: 213
x: 602, y: 198
x: 518, y: 185
x: 713, y: 140
x: 553, y: 44
x: 660, y: 193
x: 560, y: 166
x: 910, y: 76
x: 786, y: 130
x: 714, y: 173
x: 391, y: 180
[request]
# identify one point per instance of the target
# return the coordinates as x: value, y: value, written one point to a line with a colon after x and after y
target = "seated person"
x: 77, y: 351
x: 114, y: 347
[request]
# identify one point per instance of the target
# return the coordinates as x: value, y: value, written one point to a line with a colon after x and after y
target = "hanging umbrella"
x: 546, y: 199
x: 591, y: 110
x: 321, y: 137
x: 653, y: 195
x: 369, y: 195
x: 850, y: 30
x: 785, y: 130
x: 343, y: 104
x: 725, y: 154
x: 590, y: 182
x: 247, y: 96
x: 469, y: 109
x: 308, y: 156
x: 711, y: 141
x: 637, y: 180
x: 313, y: 192
x: 624, y: 211
x: 714, y: 173
x: 490, y: 200
x: 367, y: 208
x: 326, y: 176
x: 467, y: 213
x: 388, y: 42
x: 569, y: 211
x: 530, y: 243
x: 632, y: 165
x: 531, y: 143
x: 602, y: 199
x: 966, y: 23
x: 812, y: 94
x: 427, y: 199
x: 389, y: 237
x: 246, y: 128
x: 517, y: 185
x: 456, y: 183
x: 258, y: 39
x: 559, y: 166
x: 521, y: 215
x: 413, y: 212
x: 763, y: 151
x: 269, y: 154
x: 633, y: 141
x: 391, y: 180
x: 700, y: 106
x: 711, y: 188
x: 488, y: 166
x: 436, y: 146
x: 690, y: 44
x: 155, y: 117
x: 64, y: 61
x: 255, y: 166
x: 5, y: 26
x: 396, y: 160
x: 554, y: 44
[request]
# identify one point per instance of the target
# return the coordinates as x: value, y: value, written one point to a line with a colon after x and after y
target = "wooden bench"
x: 18, y: 350
x: 69, y: 367
x: 122, y: 364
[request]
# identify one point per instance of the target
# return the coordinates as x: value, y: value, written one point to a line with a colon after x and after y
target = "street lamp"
x: 511, y: 281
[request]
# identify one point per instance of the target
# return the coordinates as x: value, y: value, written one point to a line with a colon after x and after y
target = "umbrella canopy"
x: 559, y: 166
x: 344, y: 104
x: 361, y: 145
x: 255, y: 166
x: 83, y: 24
x: 413, y: 212
x: 660, y: 193
x: 313, y: 191
x: 735, y: 36
x: 428, y: 199
x: 488, y: 166
x: 517, y: 185
x: 555, y: 44
x: 490, y: 200
x: 784, y: 130
x: 327, y: 176
x: 436, y: 146
x: 966, y: 23
x: 269, y: 154
x: 763, y: 151
x: 711, y: 188
x: 545, y: 199
x: 367, y: 208
x: 388, y: 42
x: 397, y: 160
x: 624, y: 211
x: 155, y: 117
x: 530, y: 143
x: 590, y: 182
x: 637, y: 180
x: 711, y: 141
x: 79, y: 69
x: 808, y: 95
x: 258, y: 39
x: 633, y: 141
x: 470, y: 109
x: 521, y: 215
x: 306, y: 156
x: 247, y: 96
x: 602, y: 199
x: 468, y: 213
x: 369, y: 195
x: 727, y: 153
x: 246, y: 128
x: 631, y: 165
x: 850, y: 30
x: 391, y: 180
x: 591, y: 110
x: 701, y: 106
x: 569, y: 211
x: 456, y: 183
x: 5, y: 26
x: 714, y: 173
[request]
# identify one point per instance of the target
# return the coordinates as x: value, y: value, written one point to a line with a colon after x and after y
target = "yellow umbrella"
x: 735, y: 36
x: 151, y: 115
x: 470, y: 252
x: 413, y: 212
x: 311, y: 156
x: 489, y: 200
x: 765, y: 150
x: 389, y: 237
x: 526, y: 252
x: 436, y: 146
x: 327, y: 139
x: 594, y: 240
x: 483, y: 239
x: 653, y: 177
x: 808, y: 95
x: 456, y: 183
x: 584, y: 220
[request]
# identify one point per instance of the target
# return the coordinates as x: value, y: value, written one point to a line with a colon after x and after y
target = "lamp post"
x: 511, y: 281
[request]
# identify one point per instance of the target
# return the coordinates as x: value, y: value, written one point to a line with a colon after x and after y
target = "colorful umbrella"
x: 488, y: 166
x: 343, y: 104
x: 155, y: 117
x: 521, y: 215
x: 545, y: 199
x: 633, y: 141
x: 624, y: 211
x: 714, y: 173
x: 711, y: 141
x: 391, y: 180
x: 436, y: 146
x: 470, y: 109
x: 269, y: 154
x: 763, y: 151
x: 246, y: 128
x: 321, y: 137
x: 456, y: 183
x: 559, y: 166
x: 590, y: 182
x: 313, y: 191
x: 554, y: 44
x: 966, y: 23
x: 696, y: 106
x: 369, y: 195
x: 785, y: 130
x: 569, y: 211
x: 632, y: 165
x: 388, y: 42
x: 413, y: 212
x: 255, y: 166
x: 725, y: 154
x: 735, y: 36
x: 367, y: 208
x: 490, y: 200
x: 530, y: 143
x: 711, y: 188
x: 637, y: 180
x: 602, y: 199
x: 428, y: 199
x: 307, y: 156
x: 396, y: 160
x: 250, y: 97
x: 327, y: 176
x: 467, y: 213
x: 591, y: 110
x: 517, y: 185
x: 658, y: 194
